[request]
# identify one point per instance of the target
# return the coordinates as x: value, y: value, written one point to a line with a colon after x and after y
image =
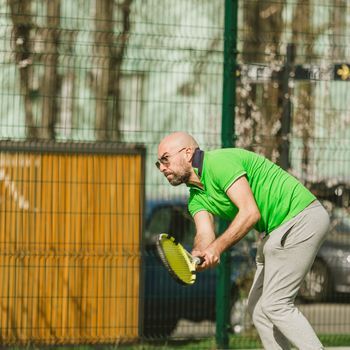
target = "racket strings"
x: 178, y: 261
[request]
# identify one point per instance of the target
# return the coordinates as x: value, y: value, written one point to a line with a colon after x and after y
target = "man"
x: 253, y: 192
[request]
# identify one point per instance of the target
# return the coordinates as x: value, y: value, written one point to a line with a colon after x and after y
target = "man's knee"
x: 257, y: 315
x: 273, y: 309
x: 251, y: 306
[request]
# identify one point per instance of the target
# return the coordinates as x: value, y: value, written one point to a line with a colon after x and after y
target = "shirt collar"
x: 197, y: 161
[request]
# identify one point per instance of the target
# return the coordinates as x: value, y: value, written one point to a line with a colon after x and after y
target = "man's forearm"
x: 205, y: 230
x: 202, y: 241
x: 238, y: 228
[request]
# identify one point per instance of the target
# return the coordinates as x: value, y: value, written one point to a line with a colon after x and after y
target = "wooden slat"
x: 69, y: 247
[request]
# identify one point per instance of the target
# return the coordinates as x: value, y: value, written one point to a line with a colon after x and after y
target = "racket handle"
x: 198, y: 260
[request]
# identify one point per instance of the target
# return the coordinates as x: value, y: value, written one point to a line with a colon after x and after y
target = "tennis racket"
x: 177, y: 260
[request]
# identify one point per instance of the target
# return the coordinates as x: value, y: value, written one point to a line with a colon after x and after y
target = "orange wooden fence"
x: 70, y: 228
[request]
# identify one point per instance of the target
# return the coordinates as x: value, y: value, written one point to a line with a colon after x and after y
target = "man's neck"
x: 194, y: 180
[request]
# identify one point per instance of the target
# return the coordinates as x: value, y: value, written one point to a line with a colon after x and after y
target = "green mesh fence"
x: 131, y: 71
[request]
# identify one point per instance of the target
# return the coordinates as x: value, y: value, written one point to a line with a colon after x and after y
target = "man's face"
x: 173, y: 163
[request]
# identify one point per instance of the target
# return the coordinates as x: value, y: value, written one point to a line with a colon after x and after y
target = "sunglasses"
x: 165, y: 159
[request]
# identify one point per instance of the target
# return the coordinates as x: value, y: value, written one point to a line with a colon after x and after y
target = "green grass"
x: 335, y: 339
x: 236, y: 342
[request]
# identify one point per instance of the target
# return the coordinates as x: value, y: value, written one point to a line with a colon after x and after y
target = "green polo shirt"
x: 279, y: 196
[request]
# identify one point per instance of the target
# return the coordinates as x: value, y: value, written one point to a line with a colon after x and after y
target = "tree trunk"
x: 67, y: 104
x: 339, y: 24
x: 115, y: 68
x: 22, y: 25
x: 303, y: 33
x: 259, y: 103
x: 67, y: 108
x: 50, y: 83
x: 109, y: 57
x: 103, y: 44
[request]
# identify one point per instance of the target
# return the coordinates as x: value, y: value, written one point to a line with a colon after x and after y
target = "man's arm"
x: 248, y: 215
x: 205, y: 232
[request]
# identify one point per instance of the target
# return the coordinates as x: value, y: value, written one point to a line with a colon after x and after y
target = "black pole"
x: 223, y: 291
x: 286, y: 108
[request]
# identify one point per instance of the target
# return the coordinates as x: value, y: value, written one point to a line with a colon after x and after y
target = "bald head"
x: 177, y: 140
x: 175, y: 154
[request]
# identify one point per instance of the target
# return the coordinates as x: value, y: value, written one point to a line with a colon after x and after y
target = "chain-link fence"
x: 79, y: 80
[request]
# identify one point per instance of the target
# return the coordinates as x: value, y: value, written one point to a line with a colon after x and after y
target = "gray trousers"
x: 283, y: 259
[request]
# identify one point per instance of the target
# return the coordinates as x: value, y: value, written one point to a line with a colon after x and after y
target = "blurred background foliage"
x: 132, y: 71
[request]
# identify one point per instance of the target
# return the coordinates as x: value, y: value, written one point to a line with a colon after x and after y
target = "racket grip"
x: 198, y: 260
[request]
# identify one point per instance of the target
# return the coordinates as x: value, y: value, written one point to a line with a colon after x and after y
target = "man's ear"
x: 189, y: 153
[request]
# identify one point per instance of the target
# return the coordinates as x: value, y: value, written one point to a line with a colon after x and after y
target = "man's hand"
x: 210, y: 256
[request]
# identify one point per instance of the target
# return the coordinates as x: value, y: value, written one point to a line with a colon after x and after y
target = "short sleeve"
x: 194, y: 203
x: 226, y: 167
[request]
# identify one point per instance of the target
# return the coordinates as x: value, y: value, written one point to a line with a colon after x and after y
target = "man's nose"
x: 162, y: 167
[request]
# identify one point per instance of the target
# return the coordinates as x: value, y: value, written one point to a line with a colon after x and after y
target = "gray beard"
x: 180, y: 179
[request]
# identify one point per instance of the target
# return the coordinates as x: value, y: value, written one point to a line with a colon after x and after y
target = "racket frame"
x: 191, y: 260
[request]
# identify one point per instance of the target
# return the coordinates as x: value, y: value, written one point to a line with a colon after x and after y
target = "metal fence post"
x: 286, y: 107
x: 227, y: 139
